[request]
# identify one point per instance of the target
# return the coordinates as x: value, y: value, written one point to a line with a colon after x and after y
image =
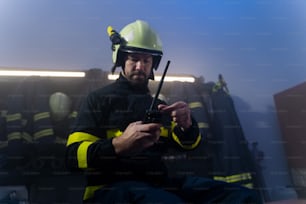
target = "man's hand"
x: 136, y: 137
x: 179, y: 112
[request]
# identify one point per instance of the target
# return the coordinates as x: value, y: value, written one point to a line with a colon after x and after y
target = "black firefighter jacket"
x: 104, y: 115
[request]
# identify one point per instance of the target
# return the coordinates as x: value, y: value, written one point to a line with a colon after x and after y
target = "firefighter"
x: 121, y: 155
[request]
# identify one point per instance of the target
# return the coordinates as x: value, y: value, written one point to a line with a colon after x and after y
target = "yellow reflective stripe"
x: 248, y: 185
x: 90, y: 190
x: 43, y: 133
x: 82, y: 154
x: 234, y: 178
x: 3, y: 144
x: 113, y: 133
x: 13, y: 117
x: 40, y: 116
x: 195, y: 105
x: 3, y: 113
x: 14, y: 136
x: 164, y: 132
x: 19, y: 135
x: 216, y: 87
x: 116, y: 133
x: 203, y: 125
x: 219, y: 85
x: 73, y: 114
x: 27, y: 136
x: 194, y: 145
x: 87, y: 140
x: 60, y: 140
x: 177, y: 140
x: 80, y: 137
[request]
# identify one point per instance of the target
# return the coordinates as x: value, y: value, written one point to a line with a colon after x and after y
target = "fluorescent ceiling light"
x: 41, y: 73
x: 82, y: 74
x: 158, y: 78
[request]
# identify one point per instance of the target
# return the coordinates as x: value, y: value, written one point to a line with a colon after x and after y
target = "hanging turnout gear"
x: 232, y: 160
x: 28, y: 121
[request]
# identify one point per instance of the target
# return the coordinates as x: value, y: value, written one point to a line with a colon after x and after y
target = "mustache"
x: 138, y: 73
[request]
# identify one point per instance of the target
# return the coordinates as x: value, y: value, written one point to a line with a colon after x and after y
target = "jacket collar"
x: 122, y: 80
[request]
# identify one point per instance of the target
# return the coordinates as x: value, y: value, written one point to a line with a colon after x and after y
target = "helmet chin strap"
x: 113, y: 68
x: 123, y: 73
x: 151, y: 74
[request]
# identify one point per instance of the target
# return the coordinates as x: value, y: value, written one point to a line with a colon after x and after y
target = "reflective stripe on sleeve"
x: 27, y: 137
x: 192, y: 146
x: 40, y: 116
x: 80, y: 137
x: 203, y: 125
x: 177, y: 140
x: 195, y: 105
x: 82, y: 154
x: 116, y: 132
x: 43, y: 133
x: 87, y: 140
x: 113, y: 133
x: 14, y: 136
x: 164, y: 132
x: 90, y: 190
x: 248, y: 185
x: 13, y: 117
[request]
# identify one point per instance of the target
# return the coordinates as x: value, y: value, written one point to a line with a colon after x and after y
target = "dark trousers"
x: 189, y: 190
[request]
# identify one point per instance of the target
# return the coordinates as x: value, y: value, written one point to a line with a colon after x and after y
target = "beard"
x: 138, y: 78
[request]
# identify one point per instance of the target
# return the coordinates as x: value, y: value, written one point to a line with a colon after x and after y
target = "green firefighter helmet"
x: 136, y: 37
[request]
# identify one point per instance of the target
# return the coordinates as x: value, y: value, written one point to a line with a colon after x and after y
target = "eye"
x: 147, y: 60
x: 136, y: 59
x: 133, y: 59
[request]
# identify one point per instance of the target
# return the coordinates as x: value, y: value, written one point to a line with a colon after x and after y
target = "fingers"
x: 149, y: 139
x: 180, y: 113
x: 136, y: 137
x: 147, y: 135
x: 147, y: 130
x: 138, y: 126
x: 172, y: 107
x: 135, y: 123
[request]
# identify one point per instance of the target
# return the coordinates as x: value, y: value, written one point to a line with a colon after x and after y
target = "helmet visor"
x: 128, y: 49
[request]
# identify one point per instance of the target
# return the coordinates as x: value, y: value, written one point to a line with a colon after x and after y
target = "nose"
x: 140, y: 64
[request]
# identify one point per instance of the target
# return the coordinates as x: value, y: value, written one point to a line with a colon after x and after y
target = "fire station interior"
x: 34, y: 133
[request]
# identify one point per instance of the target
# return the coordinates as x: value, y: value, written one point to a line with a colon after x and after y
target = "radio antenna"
x: 159, y: 86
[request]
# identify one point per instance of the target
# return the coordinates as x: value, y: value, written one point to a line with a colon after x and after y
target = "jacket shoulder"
x: 108, y: 89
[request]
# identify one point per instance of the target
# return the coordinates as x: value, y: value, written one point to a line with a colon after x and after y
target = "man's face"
x: 138, y: 68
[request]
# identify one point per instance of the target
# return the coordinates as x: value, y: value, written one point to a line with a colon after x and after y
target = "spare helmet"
x: 60, y: 106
